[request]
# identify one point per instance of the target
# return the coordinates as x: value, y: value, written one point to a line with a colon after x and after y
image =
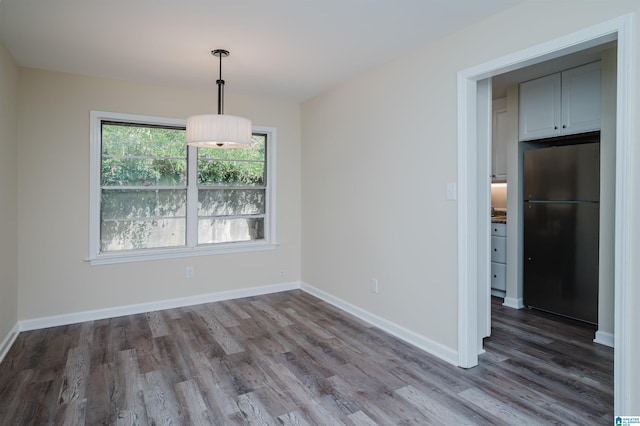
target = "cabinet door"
x: 499, y: 249
x: 540, y: 107
x: 499, y: 276
x: 581, y: 99
x: 499, y: 144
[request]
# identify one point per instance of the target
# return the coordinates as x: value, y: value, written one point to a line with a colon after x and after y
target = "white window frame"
x: 95, y: 152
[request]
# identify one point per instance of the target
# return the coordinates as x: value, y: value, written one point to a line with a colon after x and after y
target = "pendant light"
x: 219, y: 130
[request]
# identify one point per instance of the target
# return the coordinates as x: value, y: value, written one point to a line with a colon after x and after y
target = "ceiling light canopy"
x: 219, y: 130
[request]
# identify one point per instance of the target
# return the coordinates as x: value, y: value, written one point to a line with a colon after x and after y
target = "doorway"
x: 474, y: 303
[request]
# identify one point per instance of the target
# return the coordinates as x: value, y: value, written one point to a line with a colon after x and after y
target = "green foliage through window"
x: 143, y: 156
x: 144, y: 189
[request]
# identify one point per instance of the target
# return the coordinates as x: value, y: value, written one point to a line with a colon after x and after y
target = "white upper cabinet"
x: 499, y: 140
x: 581, y: 99
x: 540, y: 107
x: 559, y: 104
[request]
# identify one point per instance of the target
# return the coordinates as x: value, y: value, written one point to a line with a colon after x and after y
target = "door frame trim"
x: 470, y: 171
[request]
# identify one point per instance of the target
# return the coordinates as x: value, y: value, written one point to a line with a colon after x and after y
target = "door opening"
x: 471, y: 170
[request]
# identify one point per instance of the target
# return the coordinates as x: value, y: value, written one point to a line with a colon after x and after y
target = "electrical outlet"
x: 374, y: 285
x: 188, y: 273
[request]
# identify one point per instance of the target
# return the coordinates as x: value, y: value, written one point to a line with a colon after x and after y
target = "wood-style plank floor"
x: 291, y: 359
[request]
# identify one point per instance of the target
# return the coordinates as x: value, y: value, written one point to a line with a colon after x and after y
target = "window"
x: 153, y: 197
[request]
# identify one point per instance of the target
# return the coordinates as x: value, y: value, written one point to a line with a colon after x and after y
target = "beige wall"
x: 8, y: 195
x: 53, y: 205
x: 377, y: 154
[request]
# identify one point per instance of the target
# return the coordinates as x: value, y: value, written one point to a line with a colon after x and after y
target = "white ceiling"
x: 288, y: 49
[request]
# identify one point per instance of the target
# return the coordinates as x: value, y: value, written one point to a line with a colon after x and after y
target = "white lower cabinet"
x: 499, y: 276
x: 498, y: 258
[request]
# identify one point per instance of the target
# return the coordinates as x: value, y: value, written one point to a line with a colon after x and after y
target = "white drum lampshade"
x: 219, y: 131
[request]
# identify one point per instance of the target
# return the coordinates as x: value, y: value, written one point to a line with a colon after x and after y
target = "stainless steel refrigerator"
x: 561, y: 230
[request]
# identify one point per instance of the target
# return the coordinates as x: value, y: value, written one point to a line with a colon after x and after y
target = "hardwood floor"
x: 291, y: 359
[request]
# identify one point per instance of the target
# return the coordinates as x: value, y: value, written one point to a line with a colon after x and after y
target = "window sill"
x: 158, y: 254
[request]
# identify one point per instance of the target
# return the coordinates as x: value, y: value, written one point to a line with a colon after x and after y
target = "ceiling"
x: 286, y: 49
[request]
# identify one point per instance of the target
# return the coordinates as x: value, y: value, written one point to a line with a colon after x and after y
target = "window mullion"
x: 192, y: 197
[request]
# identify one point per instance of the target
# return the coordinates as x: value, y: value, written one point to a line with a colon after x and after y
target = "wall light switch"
x: 374, y: 285
x: 451, y: 191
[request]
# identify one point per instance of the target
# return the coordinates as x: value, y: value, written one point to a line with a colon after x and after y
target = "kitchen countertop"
x: 499, y: 219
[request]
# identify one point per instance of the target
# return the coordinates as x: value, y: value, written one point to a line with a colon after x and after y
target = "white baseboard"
x: 98, y: 314
x: 445, y: 353
x: 7, y: 342
x: 511, y: 302
x: 604, y: 338
x: 436, y: 349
